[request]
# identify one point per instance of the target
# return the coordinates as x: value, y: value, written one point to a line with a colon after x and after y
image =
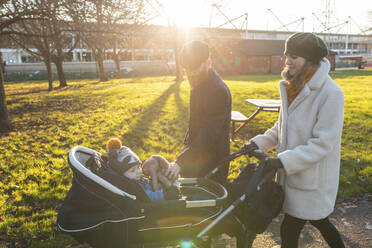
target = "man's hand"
x: 173, y: 171
x: 151, y: 168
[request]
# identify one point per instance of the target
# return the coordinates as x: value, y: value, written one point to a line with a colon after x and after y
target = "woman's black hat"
x: 306, y: 45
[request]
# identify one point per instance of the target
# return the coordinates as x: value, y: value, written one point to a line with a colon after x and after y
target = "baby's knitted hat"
x: 121, y: 158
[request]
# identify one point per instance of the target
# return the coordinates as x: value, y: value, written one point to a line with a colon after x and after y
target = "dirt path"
x: 353, y: 219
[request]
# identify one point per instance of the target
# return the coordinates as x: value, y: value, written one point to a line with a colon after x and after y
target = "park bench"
x: 236, y: 116
x: 268, y: 105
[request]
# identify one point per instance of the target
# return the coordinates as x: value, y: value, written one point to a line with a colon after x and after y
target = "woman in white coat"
x: 307, y: 139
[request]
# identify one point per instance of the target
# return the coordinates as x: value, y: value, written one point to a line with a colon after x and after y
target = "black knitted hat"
x: 306, y: 45
x: 193, y: 54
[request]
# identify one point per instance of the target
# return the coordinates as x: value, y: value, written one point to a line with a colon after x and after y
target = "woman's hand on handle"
x: 250, y: 147
x: 273, y: 164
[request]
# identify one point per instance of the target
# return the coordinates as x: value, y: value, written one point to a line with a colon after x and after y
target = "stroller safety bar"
x: 204, y: 203
x: 185, y: 181
x: 201, y: 203
x: 74, y: 162
x: 219, y: 191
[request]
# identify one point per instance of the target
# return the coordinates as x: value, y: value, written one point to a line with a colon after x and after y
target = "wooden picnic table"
x: 269, y: 105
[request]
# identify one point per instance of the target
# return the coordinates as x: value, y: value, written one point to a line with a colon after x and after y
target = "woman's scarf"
x: 296, y: 84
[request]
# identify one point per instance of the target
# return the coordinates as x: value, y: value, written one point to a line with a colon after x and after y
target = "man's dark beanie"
x: 193, y: 54
x: 306, y: 45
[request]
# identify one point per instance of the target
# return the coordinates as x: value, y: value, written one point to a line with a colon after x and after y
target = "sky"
x: 190, y: 13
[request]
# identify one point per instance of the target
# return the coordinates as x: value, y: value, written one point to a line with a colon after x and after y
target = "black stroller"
x: 103, y: 215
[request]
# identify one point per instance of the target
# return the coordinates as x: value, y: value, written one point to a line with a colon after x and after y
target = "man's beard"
x: 196, y: 80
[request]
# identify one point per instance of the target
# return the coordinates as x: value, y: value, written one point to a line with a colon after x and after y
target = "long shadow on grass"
x: 183, y: 110
x: 142, y: 123
x: 62, y: 103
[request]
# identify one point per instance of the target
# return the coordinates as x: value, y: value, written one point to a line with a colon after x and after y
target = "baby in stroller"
x: 125, y: 162
x: 103, y: 215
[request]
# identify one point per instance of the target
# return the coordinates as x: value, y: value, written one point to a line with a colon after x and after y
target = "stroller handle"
x: 258, y: 154
x: 243, y: 151
x: 258, y: 178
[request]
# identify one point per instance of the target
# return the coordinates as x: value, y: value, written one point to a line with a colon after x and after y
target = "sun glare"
x: 185, y: 13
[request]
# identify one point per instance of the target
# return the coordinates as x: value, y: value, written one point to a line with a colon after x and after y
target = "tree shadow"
x: 182, y: 108
x: 69, y: 104
x: 142, y: 122
x: 53, y: 104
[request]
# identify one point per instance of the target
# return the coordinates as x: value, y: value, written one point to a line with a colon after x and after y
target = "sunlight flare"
x: 185, y: 13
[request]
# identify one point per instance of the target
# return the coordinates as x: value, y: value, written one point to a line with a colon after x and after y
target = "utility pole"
x: 295, y: 21
x: 246, y: 25
x: 278, y: 19
x: 219, y: 10
x: 347, y: 38
x: 323, y: 24
x: 234, y: 19
x: 303, y: 24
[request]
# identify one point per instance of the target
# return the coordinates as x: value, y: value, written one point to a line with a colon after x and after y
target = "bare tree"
x: 64, y: 37
x: 6, y: 20
x: 118, y: 43
x: 158, y: 7
x: 35, y: 34
x: 4, y: 116
x: 176, y: 49
x: 98, y: 21
x: 49, y: 32
x: 122, y: 40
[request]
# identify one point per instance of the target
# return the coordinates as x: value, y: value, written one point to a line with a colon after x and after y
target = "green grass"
x: 150, y: 116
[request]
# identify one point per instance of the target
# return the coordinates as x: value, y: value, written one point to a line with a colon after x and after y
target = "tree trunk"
x: 4, y: 117
x: 50, y: 75
x: 116, y: 57
x: 61, y: 76
x: 179, y: 76
x: 101, y: 69
x: 117, y: 64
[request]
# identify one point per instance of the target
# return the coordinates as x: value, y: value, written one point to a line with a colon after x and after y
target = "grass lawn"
x: 150, y: 116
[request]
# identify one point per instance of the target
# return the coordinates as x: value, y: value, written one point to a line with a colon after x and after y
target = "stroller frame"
x: 78, y: 155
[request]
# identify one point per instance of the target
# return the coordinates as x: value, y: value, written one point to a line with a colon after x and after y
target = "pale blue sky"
x: 201, y: 13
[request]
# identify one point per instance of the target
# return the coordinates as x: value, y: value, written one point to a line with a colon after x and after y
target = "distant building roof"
x: 261, y: 47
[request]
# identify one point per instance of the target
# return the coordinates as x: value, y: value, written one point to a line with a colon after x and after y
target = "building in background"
x: 235, y: 51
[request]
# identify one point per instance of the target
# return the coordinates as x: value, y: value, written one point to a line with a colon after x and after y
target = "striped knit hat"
x: 121, y: 158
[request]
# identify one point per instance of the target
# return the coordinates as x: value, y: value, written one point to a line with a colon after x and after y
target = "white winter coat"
x: 307, y: 137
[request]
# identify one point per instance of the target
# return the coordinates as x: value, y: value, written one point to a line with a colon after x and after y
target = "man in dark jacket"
x: 207, y: 140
